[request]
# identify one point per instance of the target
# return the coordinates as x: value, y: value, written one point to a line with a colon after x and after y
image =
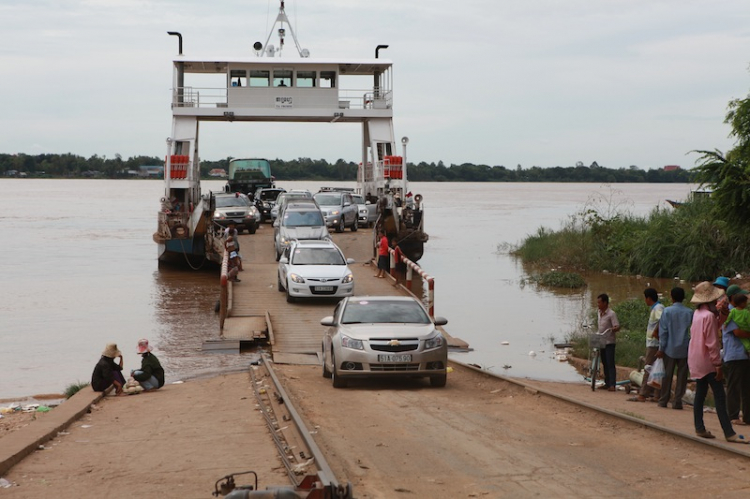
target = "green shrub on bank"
x: 688, y: 241
x: 74, y: 388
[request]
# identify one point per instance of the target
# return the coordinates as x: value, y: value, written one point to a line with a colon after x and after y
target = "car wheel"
x: 326, y: 373
x: 280, y: 287
x: 439, y: 381
x: 289, y: 298
x: 278, y: 256
x: 253, y: 228
x: 355, y: 225
x: 338, y: 381
x: 239, y: 230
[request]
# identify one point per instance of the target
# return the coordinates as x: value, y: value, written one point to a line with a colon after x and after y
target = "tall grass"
x: 74, y: 388
x: 691, y: 242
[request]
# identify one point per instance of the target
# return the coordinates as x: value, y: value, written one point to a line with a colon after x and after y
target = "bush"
x: 558, y: 279
x: 74, y: 388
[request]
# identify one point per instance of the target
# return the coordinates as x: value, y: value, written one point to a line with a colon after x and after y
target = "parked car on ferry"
x: 315, y: 269
x: 377, y: 336
x: 285, y: 197
x: 236, y: 208
x: 265, y: 199
x: 299, y: 221
x: 367, y: 213
x: 338, y: 208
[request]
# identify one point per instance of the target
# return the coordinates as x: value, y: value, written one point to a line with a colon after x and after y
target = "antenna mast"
x: 281, y: 20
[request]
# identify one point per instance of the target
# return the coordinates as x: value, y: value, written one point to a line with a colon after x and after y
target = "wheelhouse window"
x: 282, y: 77
x: 260, y: 78
x: 238, y: 78
x: 328, y: 79
x: 306, y: 79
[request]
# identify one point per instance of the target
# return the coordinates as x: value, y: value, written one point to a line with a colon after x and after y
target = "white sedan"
x: 314, y: 269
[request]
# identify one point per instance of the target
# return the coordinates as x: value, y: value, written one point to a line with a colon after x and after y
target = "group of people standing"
x: 108, y: 371
x: 705, y: 345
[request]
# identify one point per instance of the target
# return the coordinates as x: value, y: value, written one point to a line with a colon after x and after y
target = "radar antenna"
x: 284, y: 25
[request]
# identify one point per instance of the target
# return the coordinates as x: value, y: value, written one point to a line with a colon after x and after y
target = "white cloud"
x: 543, y: 82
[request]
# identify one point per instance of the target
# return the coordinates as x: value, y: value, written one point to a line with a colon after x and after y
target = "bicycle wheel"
x: 594, y: 369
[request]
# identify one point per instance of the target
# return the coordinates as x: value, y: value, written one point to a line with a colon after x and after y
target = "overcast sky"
x: 498, y: 82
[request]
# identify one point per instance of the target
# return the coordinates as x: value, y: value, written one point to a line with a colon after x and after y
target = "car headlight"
x: 363, y: 212
x: 335, y: 212
x: 434, y: 342
x: 266, y: 205
x: 348, y: 342
x: 296, y: 278
x: 347, y: 279
x: 219, y: 216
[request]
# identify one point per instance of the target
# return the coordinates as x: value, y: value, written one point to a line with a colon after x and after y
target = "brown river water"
x: 79, y: 270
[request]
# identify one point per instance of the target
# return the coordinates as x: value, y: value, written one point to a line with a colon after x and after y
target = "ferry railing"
x: 428, y: 282
x: 199, y: 97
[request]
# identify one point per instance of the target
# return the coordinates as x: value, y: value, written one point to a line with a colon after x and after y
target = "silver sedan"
x: 374, y: 336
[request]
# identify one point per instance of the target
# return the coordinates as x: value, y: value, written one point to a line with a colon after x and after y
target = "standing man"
x: 736, y: 365
x: 652, y: 342
x: 674, y: 338
x: 608, y: 322
x: 704, y: 361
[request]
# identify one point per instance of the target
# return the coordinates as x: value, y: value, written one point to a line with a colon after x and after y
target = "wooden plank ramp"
x: 297, y: 333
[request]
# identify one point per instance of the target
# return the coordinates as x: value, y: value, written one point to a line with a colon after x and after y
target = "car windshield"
x: 229, y: 201
x: 269, y: 195
x: 317, y: 256
x: 331, y: 199
x: 365, y: 311
x: 358, y: 199
x: 312, y: 218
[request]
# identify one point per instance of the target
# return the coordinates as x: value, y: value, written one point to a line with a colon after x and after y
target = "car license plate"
x: 323, y: 288
x: 404, y: 357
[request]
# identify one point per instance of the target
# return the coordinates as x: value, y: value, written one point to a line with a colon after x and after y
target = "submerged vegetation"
x: 558, y: 279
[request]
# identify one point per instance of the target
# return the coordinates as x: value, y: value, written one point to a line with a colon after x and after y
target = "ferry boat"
x: 269, y: 86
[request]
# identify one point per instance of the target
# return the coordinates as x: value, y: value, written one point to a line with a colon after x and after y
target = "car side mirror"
x: 440, y: 321
x: 347, y: 203
x: 283, y: 259
x: 367, y: 202
x: 350, y: 261
x: 327, y: 321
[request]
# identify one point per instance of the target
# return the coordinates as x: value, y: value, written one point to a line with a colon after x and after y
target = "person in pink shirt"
x: 704, y: 361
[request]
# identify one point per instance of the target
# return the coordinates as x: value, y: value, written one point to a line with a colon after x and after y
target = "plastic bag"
x: 657, y: 374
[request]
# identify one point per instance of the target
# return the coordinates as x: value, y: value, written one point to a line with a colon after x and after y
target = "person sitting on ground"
x: 107, y: 372
x: 151, y: 374
x: 741, y: 316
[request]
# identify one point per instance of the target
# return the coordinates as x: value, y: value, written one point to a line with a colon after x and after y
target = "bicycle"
x: 597, y: 341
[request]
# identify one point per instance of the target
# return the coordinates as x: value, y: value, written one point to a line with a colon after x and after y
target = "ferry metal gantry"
x: 266, y: 87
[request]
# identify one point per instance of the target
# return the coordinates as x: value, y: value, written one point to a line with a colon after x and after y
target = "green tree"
x: 728, y: 175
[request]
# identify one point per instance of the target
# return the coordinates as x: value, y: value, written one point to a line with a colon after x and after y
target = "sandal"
x: 738, y: 439
x: 706, y: 434
x: 637, y: 399
x: 736, y: 422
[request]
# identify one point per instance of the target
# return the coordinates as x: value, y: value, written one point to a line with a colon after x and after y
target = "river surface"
x: 79, y: 270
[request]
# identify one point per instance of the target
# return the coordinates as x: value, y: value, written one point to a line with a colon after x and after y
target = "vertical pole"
x: 393, y: 261
x: 409, y: 276
x: 431, y: 296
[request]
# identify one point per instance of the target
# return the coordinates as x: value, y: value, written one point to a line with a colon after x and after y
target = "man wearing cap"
x: 652, y: 342
x: 107, y: 372
x: 736, y: 365
x: 704, y: 361
x: 674, y: 338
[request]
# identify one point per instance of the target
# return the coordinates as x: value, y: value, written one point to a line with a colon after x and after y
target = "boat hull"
x: 190, y: 252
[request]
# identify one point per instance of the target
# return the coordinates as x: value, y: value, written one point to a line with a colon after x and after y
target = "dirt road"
x: 478, y: 437
x: 483, y: 437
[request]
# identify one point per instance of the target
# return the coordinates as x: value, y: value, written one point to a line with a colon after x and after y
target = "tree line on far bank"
x: 74, y: 166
